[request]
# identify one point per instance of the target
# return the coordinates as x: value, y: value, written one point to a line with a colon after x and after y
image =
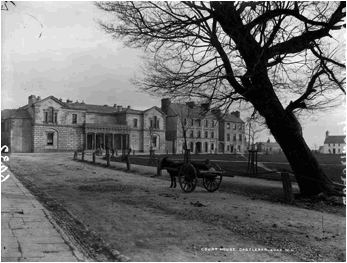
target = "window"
x: 228, y: 125
x: 50, y: 136
x: 213, y: 123
x: 151, y: 123
x: 239, y: 148
x: 206, y: 123
x: 185, y: 122
x: 240, y: 127
x: 240, y: 137
x: 74, y: 118
x: 228, y: 148
x: 199, y: 134
x: 234, y: 126
x: 206, y: 146
x: 206, y: 134
x: 228, y: 137
x: 154, y: 141
x: 50, y: 114
x: 191, y: 134
x: 56, y: 117
x: 212, y: 135
x: 212, y: 147
x: 199, y: 123
x: 135, y: 123
x: 234, y: 138
x: 191, y: 146
x: 191, y: 122
x: 46, y: 116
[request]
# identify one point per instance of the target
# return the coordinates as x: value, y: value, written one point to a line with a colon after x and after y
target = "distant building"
x: 199, y: 124
x: 53, y: 125
x: 334, y: 144
x: 269, y: 147
x: 321, y: 149
x: 231, y: 132
x: 206, y: 131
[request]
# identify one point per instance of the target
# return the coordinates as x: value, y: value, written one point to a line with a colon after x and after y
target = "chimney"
x: 165, y: 104
x: 326, y: 134
x: 236, y: 113
x: 205, y: 106
x: 191, y: 104
x: 68, y: 101
x: 119, y: 108
x: 115, y: 105
x: 38, y: 98
x: 32, y: 99
x: 128, y: 106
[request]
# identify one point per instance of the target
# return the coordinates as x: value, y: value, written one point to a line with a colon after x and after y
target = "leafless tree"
x: 4, y: 4
x: 253, y: 130
x: 281, y: 57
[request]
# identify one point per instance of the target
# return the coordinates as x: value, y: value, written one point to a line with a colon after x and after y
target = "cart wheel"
x: 187, y: 177
x: 212, y: 183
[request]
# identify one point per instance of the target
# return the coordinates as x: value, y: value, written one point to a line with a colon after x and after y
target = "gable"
x: 335, y: 139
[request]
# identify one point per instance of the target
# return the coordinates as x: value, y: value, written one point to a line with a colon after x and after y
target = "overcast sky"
x: 73, y: 59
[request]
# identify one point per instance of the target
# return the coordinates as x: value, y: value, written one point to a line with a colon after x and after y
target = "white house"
x: 334, y: 144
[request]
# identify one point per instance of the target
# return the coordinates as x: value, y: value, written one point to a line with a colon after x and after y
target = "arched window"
x: 206, y: 146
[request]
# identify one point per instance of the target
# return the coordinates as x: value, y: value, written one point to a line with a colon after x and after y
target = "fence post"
x: 127, y: 160
x: 287, y: 187
x: 82, y: 156
x: 159, y: 167
x: 93, y: 157
x: 107, y: 159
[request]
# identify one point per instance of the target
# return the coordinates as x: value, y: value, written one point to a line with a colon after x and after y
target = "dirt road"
x: 145, y: 220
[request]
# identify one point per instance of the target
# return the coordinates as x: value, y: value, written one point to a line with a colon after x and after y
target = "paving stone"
x: 27, y: 233
x: 33, y: 225
x: 6, y: 233
x: 41, y: 240
x: 35, y: 232
x: 32, y: 254
x: 11, y: 254
x: 46, y: 248
x: 9, y: 259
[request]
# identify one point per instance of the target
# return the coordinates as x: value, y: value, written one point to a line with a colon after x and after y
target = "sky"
x: 57, y: 48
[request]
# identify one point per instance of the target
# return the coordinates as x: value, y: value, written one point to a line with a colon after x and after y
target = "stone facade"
x: 53, y: 125
x: 206, y: 130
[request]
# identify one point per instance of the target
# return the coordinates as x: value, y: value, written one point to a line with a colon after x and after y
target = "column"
x: 103, y: 141
x: 94, y: 144
x: 121, y: 141
x: 113, y: 141
x: 86, y: 138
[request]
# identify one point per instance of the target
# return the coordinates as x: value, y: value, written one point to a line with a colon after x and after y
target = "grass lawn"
x: 331, y: 164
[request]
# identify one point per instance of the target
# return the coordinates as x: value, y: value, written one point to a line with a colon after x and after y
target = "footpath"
x: 28, y: 232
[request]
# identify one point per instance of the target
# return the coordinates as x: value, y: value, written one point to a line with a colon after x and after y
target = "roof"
x: 5, y: 114
x: 21, y: 114
x: 335, y: 139
x: 181, y: 109
x: 231, y: 118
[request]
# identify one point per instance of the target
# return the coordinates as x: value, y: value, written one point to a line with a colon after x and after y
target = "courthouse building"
x: 53, y: 125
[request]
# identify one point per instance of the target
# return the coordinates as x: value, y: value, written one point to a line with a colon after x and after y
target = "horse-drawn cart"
x: 188, y: 174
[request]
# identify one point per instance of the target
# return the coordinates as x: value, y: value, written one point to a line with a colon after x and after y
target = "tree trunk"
x: 308, y: 173
x: 288, y: 133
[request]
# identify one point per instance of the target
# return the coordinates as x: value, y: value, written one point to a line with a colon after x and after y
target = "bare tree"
x: 253, y: 130
x: 4, y: 4
x: 278, y: 56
